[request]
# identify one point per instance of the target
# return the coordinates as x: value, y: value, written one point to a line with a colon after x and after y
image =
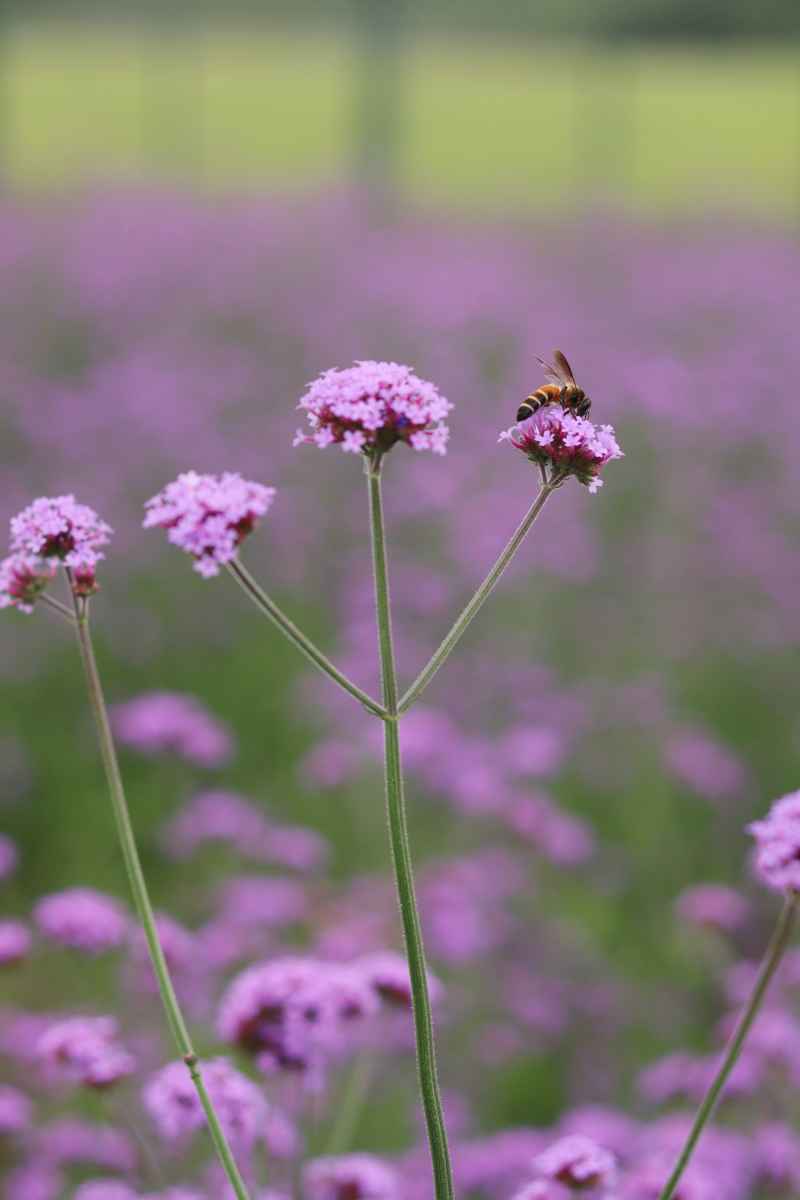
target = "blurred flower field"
x: 580, y: 774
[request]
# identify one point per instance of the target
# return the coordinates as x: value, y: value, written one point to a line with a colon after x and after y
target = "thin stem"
x: 141, y: 897
x: 771, y: 961
x: 296, y: 636
x: 352, y: 1103
x: 401, y: 855
x: 478, y: 600
x: 57, y: 607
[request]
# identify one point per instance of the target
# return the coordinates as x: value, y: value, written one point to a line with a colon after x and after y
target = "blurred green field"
x: 481, y: 123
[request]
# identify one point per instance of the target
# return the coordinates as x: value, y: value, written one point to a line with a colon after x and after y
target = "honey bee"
x: 560, y: 388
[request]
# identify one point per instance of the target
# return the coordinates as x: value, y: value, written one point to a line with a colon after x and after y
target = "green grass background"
x: 481, y: 122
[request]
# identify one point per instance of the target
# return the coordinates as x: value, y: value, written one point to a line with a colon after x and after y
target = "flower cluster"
x: 576, y: 1161
x: 350, y: 1177
x: 51, y: 531
x: 82, y: 919
x: 173, y: 1104
x: 85, y: 1050
x: 173, y: 723
x: 778, y: 844
x: 373, y: 405
x: 292, y: 1012
x: 554, y: 437
x: 208, y: 516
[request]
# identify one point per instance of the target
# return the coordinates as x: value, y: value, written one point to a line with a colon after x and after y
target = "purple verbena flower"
x: 105, y: 1189
x: 33, y: 1181
x: 82, y: 919
x: 387, y: 972
x: 371, y: 406
x: 59, y: 530
x: 85, y: 1050
x: 173, y: 723
x: 23, y: 578
x: 576, y: 1161
x: 713, y: 905
x: 16, y: 1110
x: 208, y: 516
x: 171, y: 1100
x: 15, y: 942
x: 777, y: 839
x: 350, y: 1177
x: 569, y: 445
x: 69, y: 1140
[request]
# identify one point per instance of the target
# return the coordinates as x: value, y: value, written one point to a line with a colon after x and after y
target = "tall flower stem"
x: 141, y: 897
x: 770, y: 963
x: 298, y: 639
x: 401, y: 853
x: 478, y: 600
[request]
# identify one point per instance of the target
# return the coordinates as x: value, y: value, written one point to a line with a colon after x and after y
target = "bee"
x: 560, y: 388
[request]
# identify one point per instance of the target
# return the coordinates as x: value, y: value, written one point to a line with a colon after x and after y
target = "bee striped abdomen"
x: 548, y: 393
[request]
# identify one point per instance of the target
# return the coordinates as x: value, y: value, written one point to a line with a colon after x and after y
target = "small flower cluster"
x: 208, y: 516
x: 85, y: 1050
x: 568, y: 445
x: 350, y: 1177
x: 173, y: 1104
x: 778, y: 844
x: 82, y: 919
x: 51, y: 532
x: 371, y: 406
x: 172, y: 723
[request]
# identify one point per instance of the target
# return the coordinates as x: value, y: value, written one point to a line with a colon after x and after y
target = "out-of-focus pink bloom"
x: 171, y: 1100
x: 177, y: 943
x: 105, y: 1189
x: 178, y: 1193
x: 351, y: 1177
x: 704, y: 765
x: 23, y: 579
x: 15, y: 942
x: 70, y: 1140
x: 532, y: 751
x: 777, y: 1149
x: 777, y: 839
x: 33, y: 1182
x: 260, y: 900
x: 209, y: 516
x: 8, y: 857
x: 16, y: 1110
x: 173, y: 723
x: 292, y: 1012
x: 577, y: 1161
x: 607, y: 1126
x: 713, y: 905
x: 82, y: 919
x: 85, y: 1050
x: 543, y: 1189
x: 561, y: 837
x: 388, y: 974
x: 568, y: 444
x: 372, y: 406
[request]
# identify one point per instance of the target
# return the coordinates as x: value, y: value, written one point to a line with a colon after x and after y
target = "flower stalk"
x: 141, y: 896
x: 401, y: 852
x: 770, y: 963
x: 481, y: 596
x: 270, y: 609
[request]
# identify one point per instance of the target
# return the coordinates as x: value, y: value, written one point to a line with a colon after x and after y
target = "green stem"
x: 142, y: 899
x: 478, y: 600
x: 401, y: 854
x: 298, y: 639
x: 771, y: 961
x: 352, y: 1104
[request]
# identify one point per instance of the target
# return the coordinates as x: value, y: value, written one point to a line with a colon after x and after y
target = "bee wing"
x: 550, y: 372
x: 563, y: 368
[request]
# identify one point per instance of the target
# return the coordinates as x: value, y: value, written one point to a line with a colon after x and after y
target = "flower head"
x: 82, y: 919
x: 172, y: 1102
x: 372, y: 405
x: 712, y: 905
x: 208, y: 516
x: 576, y: 1161
x: 23, y: 579
x: 85, y: 1050
x: 778, y: 844
x: 16, y: 1111
x: 350, y: 1177
x: 554, y: 437
x: 173, y: 723
x: 15, y: 942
